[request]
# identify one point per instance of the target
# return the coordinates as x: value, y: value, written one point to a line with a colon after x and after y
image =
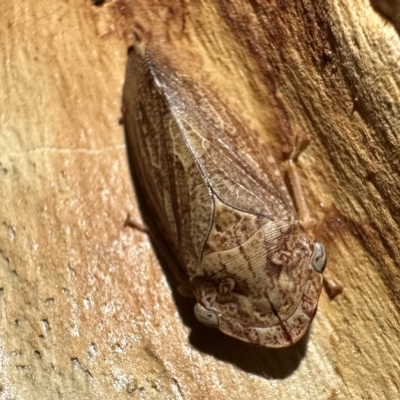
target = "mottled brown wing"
x: 168, y: 173
x: 188, y: 145
x: 236, y: 164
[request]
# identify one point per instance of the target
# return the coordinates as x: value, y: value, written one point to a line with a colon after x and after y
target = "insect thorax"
x: 259, y: 281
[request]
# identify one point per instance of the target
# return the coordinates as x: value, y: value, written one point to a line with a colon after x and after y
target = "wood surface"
x: 87, y: 311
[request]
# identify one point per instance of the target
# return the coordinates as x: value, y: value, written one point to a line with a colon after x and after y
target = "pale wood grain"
x: 86, y: 310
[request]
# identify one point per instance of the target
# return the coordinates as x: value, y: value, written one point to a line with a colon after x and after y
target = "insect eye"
x: 206, y: 317
x: 318, y: 258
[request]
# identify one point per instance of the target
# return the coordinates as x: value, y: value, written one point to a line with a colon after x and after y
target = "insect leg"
x: 305, y: 218
x: 185, y: 290
x: 332, y: 286
x: 181, y: 278
x: 135, y: 224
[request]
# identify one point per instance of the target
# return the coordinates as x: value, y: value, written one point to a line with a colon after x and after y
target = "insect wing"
x: 173, y: 185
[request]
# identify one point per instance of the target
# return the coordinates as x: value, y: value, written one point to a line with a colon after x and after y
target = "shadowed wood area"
x: 87, y: 310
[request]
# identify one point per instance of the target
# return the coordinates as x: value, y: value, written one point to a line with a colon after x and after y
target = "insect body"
x: 220, y: 201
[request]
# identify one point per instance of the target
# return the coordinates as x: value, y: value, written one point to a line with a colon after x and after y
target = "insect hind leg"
x: 308, y: 223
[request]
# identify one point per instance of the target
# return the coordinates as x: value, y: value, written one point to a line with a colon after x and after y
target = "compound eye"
x: 318, y: 258
x: 206, y: 317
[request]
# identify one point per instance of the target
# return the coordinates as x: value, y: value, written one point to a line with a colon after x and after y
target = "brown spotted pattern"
x: 218, y: 198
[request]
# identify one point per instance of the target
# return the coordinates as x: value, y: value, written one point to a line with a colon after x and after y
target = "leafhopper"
x: 220, y: 203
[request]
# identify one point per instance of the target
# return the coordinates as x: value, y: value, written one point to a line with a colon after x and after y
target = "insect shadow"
x: 267, y: 363
x: 390, y: 10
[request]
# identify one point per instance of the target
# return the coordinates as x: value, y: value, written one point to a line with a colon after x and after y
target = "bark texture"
x: 86, y: 309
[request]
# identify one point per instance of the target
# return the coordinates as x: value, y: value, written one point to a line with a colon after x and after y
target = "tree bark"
x: 86, y: 309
